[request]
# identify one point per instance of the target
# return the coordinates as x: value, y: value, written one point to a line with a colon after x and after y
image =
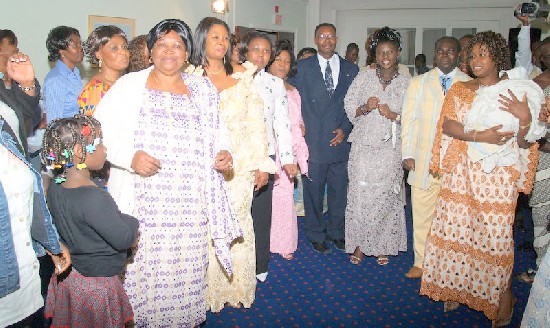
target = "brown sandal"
x: 382, y: 260
x: 355, y: 259
x: 450, y: 306
x: 527, y: 276
x: 288, y: 256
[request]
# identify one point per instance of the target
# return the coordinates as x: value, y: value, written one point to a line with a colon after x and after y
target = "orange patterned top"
x: 446, y: 149
x: 91, y: 95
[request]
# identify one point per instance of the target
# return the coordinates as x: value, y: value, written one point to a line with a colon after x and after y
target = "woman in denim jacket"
x: 26, y: 229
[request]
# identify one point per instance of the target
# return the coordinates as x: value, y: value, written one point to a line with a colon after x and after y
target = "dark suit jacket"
x: 323, y: 114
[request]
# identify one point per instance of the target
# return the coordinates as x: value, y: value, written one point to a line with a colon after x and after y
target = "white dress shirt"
x: 334, y: 66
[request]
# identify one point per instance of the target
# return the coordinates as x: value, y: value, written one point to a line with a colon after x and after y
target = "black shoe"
x: 526, y: 247
x: 340, y: 244
x: 321, y: 247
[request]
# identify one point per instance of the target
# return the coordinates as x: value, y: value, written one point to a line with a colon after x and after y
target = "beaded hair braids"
x: 60, y: 138
x: 385, y: 34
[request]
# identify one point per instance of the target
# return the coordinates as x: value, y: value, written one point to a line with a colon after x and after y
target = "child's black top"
x: 96, y: 233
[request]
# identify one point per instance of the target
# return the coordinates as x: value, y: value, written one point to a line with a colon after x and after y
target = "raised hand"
x: 20, y: 69
x: 520, y: 109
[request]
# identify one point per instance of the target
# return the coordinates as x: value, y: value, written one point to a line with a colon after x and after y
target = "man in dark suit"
x: 323, y: 81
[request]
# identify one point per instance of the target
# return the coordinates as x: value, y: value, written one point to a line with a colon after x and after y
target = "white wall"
x: 353, y: 17
x: 259, y: 14
x: 32, y: 20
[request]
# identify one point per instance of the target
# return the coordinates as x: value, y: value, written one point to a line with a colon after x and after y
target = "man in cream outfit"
x: 421, y: 110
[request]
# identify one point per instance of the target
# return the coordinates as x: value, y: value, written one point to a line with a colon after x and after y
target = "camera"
x: 533, y: 9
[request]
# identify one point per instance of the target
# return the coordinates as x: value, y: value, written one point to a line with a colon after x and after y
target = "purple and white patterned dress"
x: 176, y: 207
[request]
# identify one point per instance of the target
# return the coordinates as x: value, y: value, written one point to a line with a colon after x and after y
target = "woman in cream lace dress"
x: 241, y: 111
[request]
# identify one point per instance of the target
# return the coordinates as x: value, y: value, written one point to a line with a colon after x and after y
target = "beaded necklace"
x: 385, y: 83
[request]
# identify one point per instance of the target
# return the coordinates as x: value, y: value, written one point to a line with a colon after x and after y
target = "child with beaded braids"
x: 97, y: 234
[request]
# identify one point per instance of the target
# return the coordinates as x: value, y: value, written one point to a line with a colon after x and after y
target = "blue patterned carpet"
x: 315, y: 290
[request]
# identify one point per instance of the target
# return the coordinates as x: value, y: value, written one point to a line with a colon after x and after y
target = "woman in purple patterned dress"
x: 162, y: 131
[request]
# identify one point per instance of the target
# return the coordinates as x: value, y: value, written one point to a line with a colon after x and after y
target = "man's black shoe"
x: 340, y: 244
x: 321, y: 247
x: 526, y: 247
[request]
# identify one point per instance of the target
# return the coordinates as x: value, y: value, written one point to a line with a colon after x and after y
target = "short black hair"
x: 324, y: 25
x: 167, y: 25
x: 305, y: 51
x: 199, y: 53
x: 449, y: 38
x: 352, y: 46
x: 12, y: 39
x: 59, y: 39
x: 98, y: 38
x: 420, y: 57
x: 466, y: 36
x: 247, y: 38
x: 280, y: 46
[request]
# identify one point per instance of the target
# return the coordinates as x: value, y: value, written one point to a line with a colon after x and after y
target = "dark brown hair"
x: 98, y: 38
x: 496, y: 45
x: 136, y: 47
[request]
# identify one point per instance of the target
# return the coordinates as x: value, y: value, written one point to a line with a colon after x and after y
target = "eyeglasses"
x: 326, y: 36
x: 446, y: 51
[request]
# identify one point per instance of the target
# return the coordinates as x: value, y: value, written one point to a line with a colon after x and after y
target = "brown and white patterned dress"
x: 470, y: 248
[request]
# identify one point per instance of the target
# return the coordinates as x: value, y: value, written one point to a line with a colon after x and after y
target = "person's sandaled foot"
x: 450, y: 306
x: 235, y: 306
x: 414, y: 272
x: 528, y: 276
x: 288, y: 257
x: 382, y: 260
x: 355, y: 259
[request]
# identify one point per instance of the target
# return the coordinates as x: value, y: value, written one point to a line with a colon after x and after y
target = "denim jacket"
x: 43, y: 231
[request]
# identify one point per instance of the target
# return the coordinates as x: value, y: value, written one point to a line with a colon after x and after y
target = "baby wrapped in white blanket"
x: 485, y: 114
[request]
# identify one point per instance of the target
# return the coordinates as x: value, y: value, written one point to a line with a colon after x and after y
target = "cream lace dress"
x: 241, y: 109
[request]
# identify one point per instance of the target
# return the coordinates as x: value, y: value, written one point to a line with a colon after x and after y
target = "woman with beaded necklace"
x: 375, y: 217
